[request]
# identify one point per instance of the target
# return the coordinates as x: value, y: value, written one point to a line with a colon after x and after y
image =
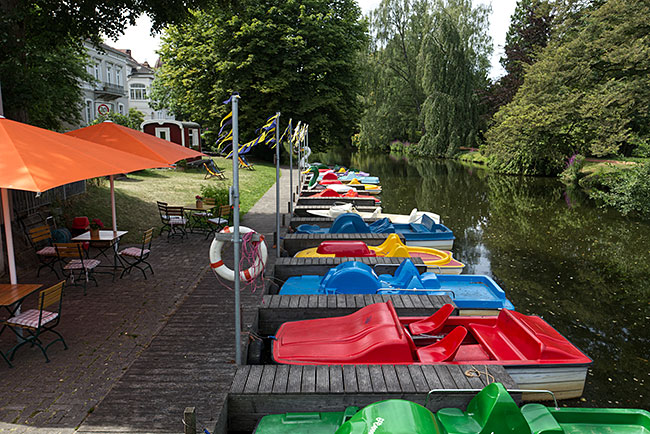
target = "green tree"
x: 42, y: 58
x: 132, y: 120
x: 425, y: 64
x: 588, y: 93
x: 301, y: 58
x: 453, y: 65
x: 529, y: 33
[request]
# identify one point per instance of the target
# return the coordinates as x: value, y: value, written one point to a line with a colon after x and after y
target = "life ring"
x: 222, y: 270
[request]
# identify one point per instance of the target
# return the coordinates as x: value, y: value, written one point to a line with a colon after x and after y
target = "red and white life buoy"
x: 220, y: 268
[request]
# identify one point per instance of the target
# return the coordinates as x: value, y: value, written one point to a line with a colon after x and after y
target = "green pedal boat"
x: 491, y: 411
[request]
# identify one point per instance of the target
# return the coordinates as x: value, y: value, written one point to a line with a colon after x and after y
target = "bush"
x: 628, y: 190
x: 219, y: 194
x: 571, y: 172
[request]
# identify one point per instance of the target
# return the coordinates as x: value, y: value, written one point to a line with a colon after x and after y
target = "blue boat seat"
x: 350, y: 278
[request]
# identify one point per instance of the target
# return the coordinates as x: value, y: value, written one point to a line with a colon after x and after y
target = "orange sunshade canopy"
x: 135, y: 142
x: 35, y: 159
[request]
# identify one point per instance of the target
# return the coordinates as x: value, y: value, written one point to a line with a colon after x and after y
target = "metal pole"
x: 112, y: 181
x: 299, y: 169
x: 235, y: 222
x: 277, y: 185
x: 307, y: 146
x: 11, y: 259
x: 290, y: 169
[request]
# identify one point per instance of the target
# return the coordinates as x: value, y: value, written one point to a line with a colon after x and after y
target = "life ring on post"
x: 220, y: 268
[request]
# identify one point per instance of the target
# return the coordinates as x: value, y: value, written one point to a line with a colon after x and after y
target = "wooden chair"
x: 38, y: 321
x: 77, y: 262
x: 220, y: 221
x: 138, y: 255
x: 173, y: 220
x: 41, y: 240
x: 212, y: 170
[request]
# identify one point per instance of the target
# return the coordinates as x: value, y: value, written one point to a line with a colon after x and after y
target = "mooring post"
x: 189, y: 420
x: 290, y: 166
x: 235, y: 222
x: 277, y: 185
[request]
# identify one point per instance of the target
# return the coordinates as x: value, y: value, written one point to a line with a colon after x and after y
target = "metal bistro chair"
x: 138, y: 255
x: 220, y: 221
x: 41, y: 240
x: 79, y: 263
x: 173, y: 220
x: 38, y: 321
x: 199, y: 219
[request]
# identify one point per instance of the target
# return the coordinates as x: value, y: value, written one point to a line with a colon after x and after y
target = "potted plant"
x: 94, y: 229
x: 199, y: 201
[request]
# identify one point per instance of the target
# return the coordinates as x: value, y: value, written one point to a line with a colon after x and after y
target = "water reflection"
x: 584, y: 269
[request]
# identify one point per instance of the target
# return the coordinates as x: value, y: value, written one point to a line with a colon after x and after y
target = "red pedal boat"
x: 328, y: 192
x: 535, y: 355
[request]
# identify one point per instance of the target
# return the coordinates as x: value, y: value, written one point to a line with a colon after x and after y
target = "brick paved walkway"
x: 140, y: 350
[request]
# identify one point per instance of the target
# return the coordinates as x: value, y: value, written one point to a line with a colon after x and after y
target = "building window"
x: 138, y: 91
x: 109, y: 73
x: 96, y: 70
x: 118, y: 75
x: 163, y: 133
x: 90, y: 113
x: 120, y: 109
x: 194, y: 137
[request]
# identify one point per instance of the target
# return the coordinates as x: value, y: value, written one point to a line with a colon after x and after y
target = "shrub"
x: 219, y: 194
x: 628, y: 190
x: 571, y: 172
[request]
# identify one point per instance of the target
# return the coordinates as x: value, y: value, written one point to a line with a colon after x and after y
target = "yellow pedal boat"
x: 437, y: 261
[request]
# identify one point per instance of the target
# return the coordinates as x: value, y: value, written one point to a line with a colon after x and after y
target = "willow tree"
x: 426, y: 63
x: 452, y: 66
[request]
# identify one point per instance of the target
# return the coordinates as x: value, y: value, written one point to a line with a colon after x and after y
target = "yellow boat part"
x: 393, y: 247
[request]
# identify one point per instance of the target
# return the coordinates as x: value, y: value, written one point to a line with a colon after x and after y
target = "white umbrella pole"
x: 11, y: 259
x: 112, y: 181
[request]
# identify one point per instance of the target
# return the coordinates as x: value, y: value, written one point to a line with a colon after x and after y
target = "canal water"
x: 584, y: 269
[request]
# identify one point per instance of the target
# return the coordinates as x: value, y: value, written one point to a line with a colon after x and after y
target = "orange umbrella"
x: 135, y: 142
x: 35, y: 159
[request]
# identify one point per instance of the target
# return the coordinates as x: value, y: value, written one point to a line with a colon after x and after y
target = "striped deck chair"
x: 244, y: 163
x: 212, y: 170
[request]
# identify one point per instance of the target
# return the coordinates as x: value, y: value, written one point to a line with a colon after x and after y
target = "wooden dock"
x: 294, y: 222
x: 259, y: 390
x: 289, y: 267
x: 301, y: 210
x: 294, y: 243
x: 278, y: 309
x: 356, y: 201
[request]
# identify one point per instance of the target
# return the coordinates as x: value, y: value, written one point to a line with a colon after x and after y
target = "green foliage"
x: 132, y: 120
x: 297, y: 57
x: 218, y: 193
x: 423, y: 70
x: 42, y: 60
x: 42, y: 84
x: 529, y: 32
x: 627, y: 190
x: 571, y: 174
x: 588, y: 93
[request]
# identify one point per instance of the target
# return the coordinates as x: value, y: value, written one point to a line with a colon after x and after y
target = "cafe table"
x: 11, y: 298
x: 106, y: 240
x: 198, y: 221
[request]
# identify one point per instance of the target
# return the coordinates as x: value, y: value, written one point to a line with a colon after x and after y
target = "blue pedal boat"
x: 427, y: 233
x: 467, y: 291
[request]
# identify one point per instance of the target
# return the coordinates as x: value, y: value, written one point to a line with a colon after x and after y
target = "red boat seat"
x: 445, y: 349
x: 330, y: 176
x: 372, y: 335
x: 329, y: 182
x: 345, y: 249
x: 495, y: 343
x: 433, y: 323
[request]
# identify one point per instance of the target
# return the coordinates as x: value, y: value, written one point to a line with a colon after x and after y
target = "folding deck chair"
x: 244, y: 163
x: 212, y: 170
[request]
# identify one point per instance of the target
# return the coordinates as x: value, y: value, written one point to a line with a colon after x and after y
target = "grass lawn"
x: 136, y: 196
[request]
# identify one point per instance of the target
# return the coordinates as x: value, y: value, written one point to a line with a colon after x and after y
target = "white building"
x: 121, y: 83
x: 108, y: 93
x: 139, y: 80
